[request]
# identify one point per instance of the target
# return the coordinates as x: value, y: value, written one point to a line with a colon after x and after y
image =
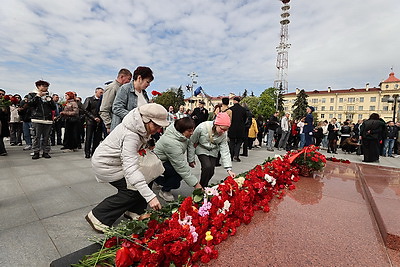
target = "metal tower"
x: 282, y: 58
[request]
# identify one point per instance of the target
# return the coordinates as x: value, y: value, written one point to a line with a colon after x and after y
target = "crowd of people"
x: 118, y: 123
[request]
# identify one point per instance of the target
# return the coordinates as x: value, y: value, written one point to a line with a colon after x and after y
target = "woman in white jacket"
x: 116, y: 161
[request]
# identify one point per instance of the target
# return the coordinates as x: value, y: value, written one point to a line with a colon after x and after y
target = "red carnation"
x: 155, y: 93
x: 122, y: 258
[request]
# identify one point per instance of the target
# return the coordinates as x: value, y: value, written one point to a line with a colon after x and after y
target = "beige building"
x: 353, y: 103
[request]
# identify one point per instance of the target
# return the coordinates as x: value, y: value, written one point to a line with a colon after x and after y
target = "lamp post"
x: 193, y: 76
x: 394, y: 99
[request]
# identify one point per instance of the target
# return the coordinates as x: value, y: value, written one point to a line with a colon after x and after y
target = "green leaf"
x: 197, y: 198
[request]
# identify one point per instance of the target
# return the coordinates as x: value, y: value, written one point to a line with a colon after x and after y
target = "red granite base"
x: 325, y: 221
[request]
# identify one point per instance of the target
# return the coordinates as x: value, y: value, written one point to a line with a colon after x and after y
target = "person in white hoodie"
x: 116, y: 161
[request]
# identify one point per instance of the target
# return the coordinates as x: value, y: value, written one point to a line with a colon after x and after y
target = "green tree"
x: 169, y: 98
x: 252, y: 103
x: 266, y: 105
x: 180, y: 97
x: 300, y: 105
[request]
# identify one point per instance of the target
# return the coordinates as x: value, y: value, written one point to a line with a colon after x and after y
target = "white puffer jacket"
x: 117, y: 156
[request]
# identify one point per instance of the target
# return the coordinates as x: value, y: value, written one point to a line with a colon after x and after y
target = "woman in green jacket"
x: 171, y: 149
x: 209, y: 138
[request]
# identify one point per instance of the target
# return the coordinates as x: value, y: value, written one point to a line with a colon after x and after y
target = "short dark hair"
x: 237, y: 98
x: 225, y: 100
x: 125, y: 72
x: 144, y: 72
x: 374, y: 116
x: 184, y: 124
x: 41, y: 82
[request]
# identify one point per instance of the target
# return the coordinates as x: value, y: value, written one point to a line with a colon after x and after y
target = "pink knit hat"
x: 223, y: 119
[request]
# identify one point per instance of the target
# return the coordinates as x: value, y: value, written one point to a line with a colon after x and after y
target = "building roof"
x: 391, y: 78
x: 332, y: 92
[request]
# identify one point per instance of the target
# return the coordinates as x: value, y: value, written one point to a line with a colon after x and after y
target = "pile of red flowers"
x: 191, y: 234
x: 338, y: 160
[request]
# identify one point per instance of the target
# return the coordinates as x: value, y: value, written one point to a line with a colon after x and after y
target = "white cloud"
x: 78, y: 45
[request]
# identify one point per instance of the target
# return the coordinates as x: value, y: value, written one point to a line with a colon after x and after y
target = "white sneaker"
x: 167, y: 196
x: 27, y: 147
x: 95, y: 223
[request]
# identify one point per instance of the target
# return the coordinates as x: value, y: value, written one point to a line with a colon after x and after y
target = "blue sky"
x: 80, y: 44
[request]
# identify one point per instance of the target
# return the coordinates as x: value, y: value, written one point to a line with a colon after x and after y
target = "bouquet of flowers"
x: 308, y: 160
x: 5, y: 101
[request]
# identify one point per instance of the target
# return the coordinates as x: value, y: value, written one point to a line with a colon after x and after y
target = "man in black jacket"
x: 236, y: 132
x: 200, y: 114
x: 93, y: 122
x: 42, y: 106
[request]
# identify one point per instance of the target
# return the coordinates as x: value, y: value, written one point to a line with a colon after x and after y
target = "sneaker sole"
x: 92, y: 225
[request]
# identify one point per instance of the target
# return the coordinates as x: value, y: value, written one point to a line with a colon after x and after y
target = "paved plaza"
x: 326, y: 221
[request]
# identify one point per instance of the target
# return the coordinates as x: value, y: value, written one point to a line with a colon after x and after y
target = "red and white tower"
x: 283, y: 58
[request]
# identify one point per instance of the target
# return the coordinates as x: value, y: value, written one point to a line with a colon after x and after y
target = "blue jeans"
x: 388, y: 147
x: 27, y: 132
x: 302, y: 140
x: 270, y: 138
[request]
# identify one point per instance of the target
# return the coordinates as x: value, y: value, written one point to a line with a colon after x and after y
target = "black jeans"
x: 170, y: 178
x: 207, y: 169
x: 111, y: 208
x: 94, y: 134
x: 56, y: 132
x: 234, y: 146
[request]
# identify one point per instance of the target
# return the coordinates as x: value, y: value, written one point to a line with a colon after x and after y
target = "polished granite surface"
x: 326, y: 221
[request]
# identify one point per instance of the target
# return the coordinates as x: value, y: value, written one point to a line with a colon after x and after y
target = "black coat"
x: 91, y: 107
x: 239, y: 116
x: 199, y: 115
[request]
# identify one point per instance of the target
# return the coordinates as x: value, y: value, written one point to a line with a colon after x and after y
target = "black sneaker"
x: 46, y: 156
x: 36, y: 155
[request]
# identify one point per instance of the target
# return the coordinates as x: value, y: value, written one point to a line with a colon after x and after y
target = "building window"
x: 341, y: 100
x: 360, y: 108
x: 323, y: 100
x: 351, y: 99
x: 286, y: 108
x: 373, y: 99
x: 323, y: 108
x: 331, y: 108
x: 340, y: 107
x: 361, y: 99
x: 349, y: 116
x: 360, y: 116
x: 385, y: 108
x: 322, y: 116
x: 314, y: 100
x: 332, y: 100
x: 339, y: 116
x: 371, y: 108
x: 350, y: 108
x: 330, y: 116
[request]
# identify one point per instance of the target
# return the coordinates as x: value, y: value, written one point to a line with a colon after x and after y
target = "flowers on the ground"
x: 309, y: 158
x: 186, y: 232
x: 333, y: 159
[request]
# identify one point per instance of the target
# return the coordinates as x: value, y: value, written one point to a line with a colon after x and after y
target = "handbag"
x: 150, y: 165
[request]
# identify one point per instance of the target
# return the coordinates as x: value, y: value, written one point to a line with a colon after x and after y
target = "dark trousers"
x: 2, y: 146
x: 371, y: 149
x: 111, y: 208
x: 170, y: 178
x: 56, y: 132
x: 42, y: 137
x: 71, y: 135
x: 234, y: 146
x: 207, y: 169
x: 15, y: 133
x: 308, y: 139
x: 245, y: 151
x: 93, y: 137
x: 332, y: 147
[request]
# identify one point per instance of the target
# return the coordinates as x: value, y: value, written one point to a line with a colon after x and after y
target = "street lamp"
x: 394, y: 99
x: 193, y: 76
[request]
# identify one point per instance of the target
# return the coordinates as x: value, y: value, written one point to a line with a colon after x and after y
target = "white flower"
x: 270, y: 179
x: 240, y: 181
x: 278, y: 156
x: 225, y: 208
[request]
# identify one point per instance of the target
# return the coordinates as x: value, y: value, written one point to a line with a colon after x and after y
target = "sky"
x: 78, y: 45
